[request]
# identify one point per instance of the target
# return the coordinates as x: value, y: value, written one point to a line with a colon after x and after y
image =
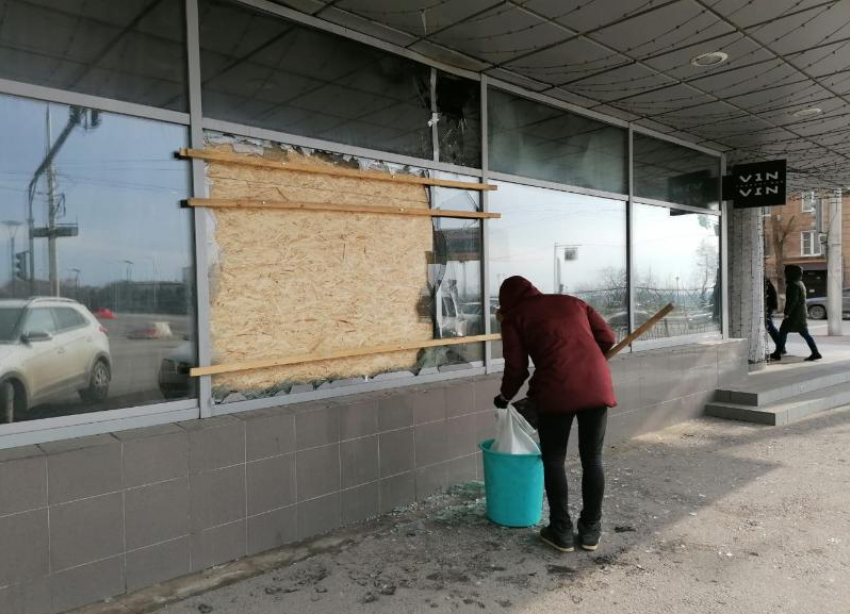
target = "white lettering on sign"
x: 745, y: 192
x: 774, y: 176
x: 745, y: 179
x: 771, y: 190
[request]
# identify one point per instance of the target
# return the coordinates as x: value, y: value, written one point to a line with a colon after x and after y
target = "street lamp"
x: 12, y: 227
x: 77, y: 273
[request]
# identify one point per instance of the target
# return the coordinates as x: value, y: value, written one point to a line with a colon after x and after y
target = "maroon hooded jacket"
x: 565, y: 338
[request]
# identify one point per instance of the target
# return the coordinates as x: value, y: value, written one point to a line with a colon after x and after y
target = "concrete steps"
x: 782, y: 394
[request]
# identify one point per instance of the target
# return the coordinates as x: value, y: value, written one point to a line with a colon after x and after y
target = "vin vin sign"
x: 761, y: 184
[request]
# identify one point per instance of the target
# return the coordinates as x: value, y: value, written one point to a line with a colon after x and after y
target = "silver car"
x: 817, y: 306
x: 49, y: 348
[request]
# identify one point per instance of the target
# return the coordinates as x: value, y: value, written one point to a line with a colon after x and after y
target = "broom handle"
x: 641, y: 330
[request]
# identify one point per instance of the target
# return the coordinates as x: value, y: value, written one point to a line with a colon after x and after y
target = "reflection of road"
x: 135, y: 365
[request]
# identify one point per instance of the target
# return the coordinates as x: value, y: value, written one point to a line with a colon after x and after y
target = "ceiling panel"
x: 417, y: 17
x: 568, y: 61
x: 701, y: 115
x: 666, y: 100
x: 784, y: 116
x: 501, y: 34
x: 620, y: 83
x: 359, y: 24
x: 579, y: 15
x: 518, y: 79
x: 794, y: 33
x: 672, y: 25
x: 823, y: 60
x: 744, y: 80
x: 741, y: 50
x: 746, y: 13
x: 768, y: 98
x: 838, y: 83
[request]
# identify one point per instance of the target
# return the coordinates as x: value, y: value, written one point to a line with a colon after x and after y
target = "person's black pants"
x: 804, y: 333
x: 554, y: 430
x: 771, y: 328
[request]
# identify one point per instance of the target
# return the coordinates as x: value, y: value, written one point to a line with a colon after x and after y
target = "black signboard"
x: 694, y: 189
x: 761, y: 184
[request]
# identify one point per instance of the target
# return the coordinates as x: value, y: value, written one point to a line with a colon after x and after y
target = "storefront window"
x: 535, y: 140
x: 675, y: 174
x: 261, y: 70
x: 90, y: 204
x: 563, y: 243
x: 677, y: 259
x: 132, y: 50
x: 459, y: 125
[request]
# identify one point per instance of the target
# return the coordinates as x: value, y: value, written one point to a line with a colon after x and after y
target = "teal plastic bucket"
x: 513, y: 484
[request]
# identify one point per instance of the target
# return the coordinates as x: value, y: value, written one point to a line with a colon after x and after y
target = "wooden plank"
x: 246, y: 203
x: 292, y: 360
x: 218, y: 156
x: 640, y: 331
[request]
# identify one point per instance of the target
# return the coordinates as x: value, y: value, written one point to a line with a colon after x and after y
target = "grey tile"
x: 157, y: 458
x: 460, y: 399
x: 396, y: 452
x: 10, y: 454
x: 461, y: 435
x: 318, y: 472
x: 221, y: 445
x: 461, y: 470
x: 397, y: 491
x: 86, y: 584
x: 148, y: 431
x: 84, y: 472
x: 430, y: 443
x: 319, y: 516
x: 218, y: 545
x: 23, y: 547
x: 395, y: 411
x: 23, y: 484
x: 485, y: 391
x: 217, y: 497
x: 270, y: 434
x: 86, y: 531
x: 272, y: 529
x: 31, y: 597
x: 429, y: 405
x: 485, y: 426
x: 360, y: 503
x: 430, y: 480
x: 316, y: 427
x: 158, y: 563
x: 156, y: 513
x: 358, y: 419
x: 271, y: 484
x: 77, y: 443
x: 359, y: 461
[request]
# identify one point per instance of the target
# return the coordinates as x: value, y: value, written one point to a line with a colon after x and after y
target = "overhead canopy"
x: 633, y: 59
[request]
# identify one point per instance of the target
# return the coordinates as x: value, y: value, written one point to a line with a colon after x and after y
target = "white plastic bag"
x: 514, y: 435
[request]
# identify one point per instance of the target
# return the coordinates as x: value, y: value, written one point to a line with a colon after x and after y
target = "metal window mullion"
x: 485, y: 227
x: 435, y: 121
x: 724, y: 254
x: 630, y: 260
x: 199, y: 190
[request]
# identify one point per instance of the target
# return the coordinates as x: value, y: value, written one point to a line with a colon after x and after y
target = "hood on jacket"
x: 515, y: 290
x: 793, y: 273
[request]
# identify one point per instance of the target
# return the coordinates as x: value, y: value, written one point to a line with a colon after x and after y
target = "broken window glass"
x: 459, y: 124
x: 675, y: 174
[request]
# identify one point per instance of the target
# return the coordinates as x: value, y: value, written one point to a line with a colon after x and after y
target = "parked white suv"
x: 50, y: 347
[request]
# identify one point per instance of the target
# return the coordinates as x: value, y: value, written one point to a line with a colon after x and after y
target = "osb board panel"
x: 291, y: 283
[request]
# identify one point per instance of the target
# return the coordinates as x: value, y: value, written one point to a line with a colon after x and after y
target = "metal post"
x: 835, y: 270
x: 51, y: 215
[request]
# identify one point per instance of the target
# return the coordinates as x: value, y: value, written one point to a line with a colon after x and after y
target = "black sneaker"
x: 776, y: 357
x: 588, y: 535
x: 562, y: 543
x: 813, y: 357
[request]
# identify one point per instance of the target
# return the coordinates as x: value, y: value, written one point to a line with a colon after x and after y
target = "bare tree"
x: 779, y: 234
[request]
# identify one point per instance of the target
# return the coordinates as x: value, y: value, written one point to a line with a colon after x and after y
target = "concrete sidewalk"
x: 709, y: 516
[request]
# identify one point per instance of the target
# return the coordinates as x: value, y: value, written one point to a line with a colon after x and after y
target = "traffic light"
x: 21, y: 271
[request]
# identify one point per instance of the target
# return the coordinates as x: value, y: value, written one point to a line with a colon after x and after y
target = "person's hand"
x: 500, y: 402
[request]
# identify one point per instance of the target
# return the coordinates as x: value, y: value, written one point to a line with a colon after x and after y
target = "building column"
x: 746, y: 280
x: 835, y: 267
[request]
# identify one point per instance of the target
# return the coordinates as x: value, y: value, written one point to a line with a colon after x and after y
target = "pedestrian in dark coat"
x: 566, y: 340
x: 795, y: 320
x: 771, y: 304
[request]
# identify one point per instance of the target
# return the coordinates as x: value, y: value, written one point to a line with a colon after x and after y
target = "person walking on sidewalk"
x: 771, y: 304
x: 795, y: 320
x: 567, y: 340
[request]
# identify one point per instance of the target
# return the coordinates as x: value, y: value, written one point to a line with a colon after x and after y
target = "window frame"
x: 815, y: 244
x: 24, y: 433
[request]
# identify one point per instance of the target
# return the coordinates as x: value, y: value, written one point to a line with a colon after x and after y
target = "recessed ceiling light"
x: 712, y: 58
x: 808, y: 112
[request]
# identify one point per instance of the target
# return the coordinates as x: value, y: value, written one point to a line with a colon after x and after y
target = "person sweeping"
x: 567, y: 341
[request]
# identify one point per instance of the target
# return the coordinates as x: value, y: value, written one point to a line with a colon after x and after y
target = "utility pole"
x: 835, y: 268
x: 51, y: 213
x: 12, y: 226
